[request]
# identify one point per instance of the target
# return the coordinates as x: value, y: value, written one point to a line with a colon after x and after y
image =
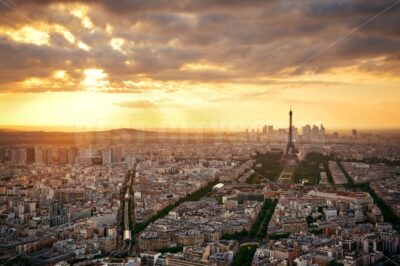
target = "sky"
x: 222, y: 64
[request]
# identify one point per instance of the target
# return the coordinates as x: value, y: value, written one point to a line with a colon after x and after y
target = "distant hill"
x: 114, y: 136
x: 12, y: 137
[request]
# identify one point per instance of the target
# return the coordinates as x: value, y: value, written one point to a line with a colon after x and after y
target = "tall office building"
x: 118, y: 154
x: 265, y: 130
x: 282, y: 133
x: 270, y: 131
x: 112, y: 155
x: 30, y: 155
x: 2, y: 155
x: 14, y: 156
x: 322, y: 133
x: 63, y: 155
x: 295, y: 133
x: 47, y: 156
x: 72, y: 154
x: 107, y: 156
x: 315, y: 133
x: 22, y: 156
x: 38, y: 155
x: 306, y: 132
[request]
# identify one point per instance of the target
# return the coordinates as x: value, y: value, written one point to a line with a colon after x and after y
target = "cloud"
x: 246, y: 41
x: 139, y: 104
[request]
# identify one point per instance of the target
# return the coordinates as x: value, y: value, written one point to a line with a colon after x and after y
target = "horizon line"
x: 71, y: 129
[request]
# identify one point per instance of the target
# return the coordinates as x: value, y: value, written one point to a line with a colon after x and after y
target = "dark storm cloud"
x: 345, y: 8
x: 249, y: 39
x: 179, y: 5
x: 368, y: 45
x: 20, y: 61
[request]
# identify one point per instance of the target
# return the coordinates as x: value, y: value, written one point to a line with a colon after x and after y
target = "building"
x: 30, y: 155
x: 149, y: 258
x: 2, y: 155
x: 58, y: 215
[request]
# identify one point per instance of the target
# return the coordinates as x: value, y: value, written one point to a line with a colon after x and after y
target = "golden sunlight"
x: 28, y: 34
x: 95, y: 79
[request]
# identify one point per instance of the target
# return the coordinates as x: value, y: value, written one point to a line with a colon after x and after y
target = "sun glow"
x: 84, y: 46
x: 95, y: 79
x: 116, y: 44
x: 204, y: 66
x: 81, y: 13
x: 59, y: 74
x: 28, y: 34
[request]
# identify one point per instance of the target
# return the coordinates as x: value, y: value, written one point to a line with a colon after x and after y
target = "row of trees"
x: 195, y: 196
x: 244, y: 256
x: 171, y: 249
x: 266, y: 212
x: 236, y: 236
x: 260, y: 226
x: 388, y: 214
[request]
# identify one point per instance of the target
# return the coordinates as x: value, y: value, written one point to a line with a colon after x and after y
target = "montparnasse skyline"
x: 193, y: 64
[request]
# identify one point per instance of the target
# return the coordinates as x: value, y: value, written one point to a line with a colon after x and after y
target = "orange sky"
x: 198, y: 65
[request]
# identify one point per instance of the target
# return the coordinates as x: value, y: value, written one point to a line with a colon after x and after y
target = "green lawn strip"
x: 254, y: 179
x: 269, y: 166
x: 309, y: 169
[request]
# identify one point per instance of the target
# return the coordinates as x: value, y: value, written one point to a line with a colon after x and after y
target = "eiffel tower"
x: 290, y: 149
x: 290, y: 157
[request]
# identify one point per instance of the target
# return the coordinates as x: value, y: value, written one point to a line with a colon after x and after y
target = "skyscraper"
x: 72, y: 154
x: 2, y: 155
x: 63, y: 155
x: 38, y: 155
x: 270, y: 131
x: 107, y: 156
x: 14, y: 158
x: 30, y: 155
x: 315, y: 133
x: 322, y: 133
x: 306, y: 132
x: 265, y: 130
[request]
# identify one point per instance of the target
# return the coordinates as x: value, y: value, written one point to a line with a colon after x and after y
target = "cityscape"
x: 265, y: 197
x: 199, y: 133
